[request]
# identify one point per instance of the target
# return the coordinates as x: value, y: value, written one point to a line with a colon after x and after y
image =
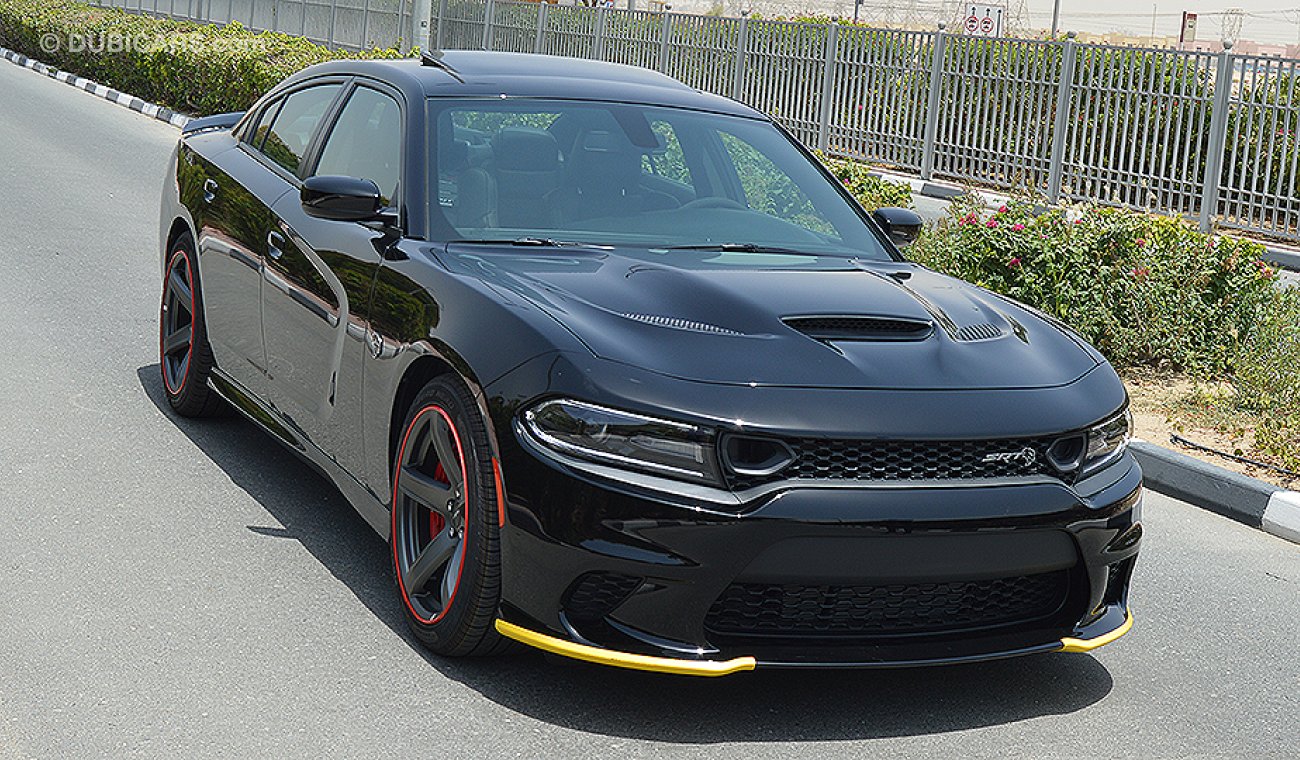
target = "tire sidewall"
x: 472, y: 593
x: 182, y: 396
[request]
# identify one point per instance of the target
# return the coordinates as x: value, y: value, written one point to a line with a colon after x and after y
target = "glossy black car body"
x: 919, y: 517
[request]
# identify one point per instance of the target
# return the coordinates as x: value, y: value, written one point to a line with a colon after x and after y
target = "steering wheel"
x: 714, y: 201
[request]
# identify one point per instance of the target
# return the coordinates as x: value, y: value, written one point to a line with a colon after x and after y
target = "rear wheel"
x: 184, y: 354
x: 444, y: 532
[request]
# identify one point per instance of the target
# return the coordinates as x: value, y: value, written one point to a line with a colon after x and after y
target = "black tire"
x: 444, y: 521
x: 184, y: 355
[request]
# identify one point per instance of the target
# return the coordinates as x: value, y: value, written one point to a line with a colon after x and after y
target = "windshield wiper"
x: 739, y: 248
x: 523, y: 241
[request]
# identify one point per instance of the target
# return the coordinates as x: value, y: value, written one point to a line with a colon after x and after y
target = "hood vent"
x: 972, y: 333
x: 677, y: 323
x: 861, y: 328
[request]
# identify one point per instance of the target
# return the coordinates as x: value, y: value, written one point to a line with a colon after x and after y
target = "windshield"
x: 554, y: 172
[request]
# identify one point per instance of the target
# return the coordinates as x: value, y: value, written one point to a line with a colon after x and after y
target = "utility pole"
x: 857, y: 6
x: 1153, y: 21
x: 1056, y: 18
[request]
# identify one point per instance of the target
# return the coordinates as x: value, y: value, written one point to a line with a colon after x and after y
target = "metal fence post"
x: 421, y: 13
x: 334, y: 12
x: 931, y: 138
x: 365, y: 25
x: 442, y: 22
x: 828, y: 86
x: 742, y: 44
x: 541, y: 26
x: 488, y: 9
x: 1061, y: 125
x: 598, y: 41
x: 1218, y: 138
x: 665, y: 28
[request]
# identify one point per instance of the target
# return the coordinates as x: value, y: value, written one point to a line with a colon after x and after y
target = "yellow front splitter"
x: 623, y: 659
x: 1087, y: 645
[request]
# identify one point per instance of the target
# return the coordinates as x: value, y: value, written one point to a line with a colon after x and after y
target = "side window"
x: 770, y: 190
x: 255, y: 131
x: 291, y: 129
x: 366, y: 141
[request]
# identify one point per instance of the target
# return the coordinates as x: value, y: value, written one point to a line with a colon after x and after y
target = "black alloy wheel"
x: 184, y: 354
x: 444, y: 523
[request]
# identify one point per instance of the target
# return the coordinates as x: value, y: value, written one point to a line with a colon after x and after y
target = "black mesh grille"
x: 860, y: 328
x: 758, y: 609
x: 595, y: 595
x: 911, y: 460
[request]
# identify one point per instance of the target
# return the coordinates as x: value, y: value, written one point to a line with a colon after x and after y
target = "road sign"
x: 984, y: 20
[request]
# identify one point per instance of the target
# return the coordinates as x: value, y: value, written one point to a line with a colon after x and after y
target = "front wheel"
x: 444, y: 532
x: 184, y: 354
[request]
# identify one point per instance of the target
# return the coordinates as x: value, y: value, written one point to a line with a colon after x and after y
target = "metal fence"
x: 1214, y: 136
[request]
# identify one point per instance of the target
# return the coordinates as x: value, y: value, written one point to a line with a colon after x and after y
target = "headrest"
x: 526, y: 149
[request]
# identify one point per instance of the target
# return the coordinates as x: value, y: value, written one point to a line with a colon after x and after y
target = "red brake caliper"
x: 435, y: 519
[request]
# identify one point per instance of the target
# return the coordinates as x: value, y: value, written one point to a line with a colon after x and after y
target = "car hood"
x: 737, y: 323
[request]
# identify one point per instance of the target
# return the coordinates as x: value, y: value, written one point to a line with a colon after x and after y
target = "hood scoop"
x: 677, y: 323
x: 856, y: 327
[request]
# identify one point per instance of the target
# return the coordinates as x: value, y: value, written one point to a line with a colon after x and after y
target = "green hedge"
x: 1147, y: 290
x: 192, y: 68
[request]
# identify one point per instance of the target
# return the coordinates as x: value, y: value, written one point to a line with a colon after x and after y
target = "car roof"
x: 475, y: 73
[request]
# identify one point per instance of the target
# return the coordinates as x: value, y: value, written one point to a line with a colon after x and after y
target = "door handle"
x: 210, y: 187
x: 275, y: 245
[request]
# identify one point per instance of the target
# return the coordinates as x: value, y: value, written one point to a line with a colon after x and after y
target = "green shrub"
x: 1267, y: 378
x: 193, y: 68
x: 870, y: 190
x: 1146, y: 290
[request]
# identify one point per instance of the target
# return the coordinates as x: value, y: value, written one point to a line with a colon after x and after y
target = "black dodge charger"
x: 625, y: 375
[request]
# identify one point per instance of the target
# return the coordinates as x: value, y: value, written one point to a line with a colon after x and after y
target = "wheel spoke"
x: 432, y: 557
x: 444, y: 445
x: 424, y: 489
x: 452, y: 576
x: 180, y: 289
x: 180, y: 339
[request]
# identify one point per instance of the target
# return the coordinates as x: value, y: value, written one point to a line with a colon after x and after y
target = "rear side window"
x: 366, y: 141
x: 290, y: 130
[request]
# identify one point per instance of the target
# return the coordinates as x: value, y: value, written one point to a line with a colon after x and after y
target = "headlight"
x: 1107, y: 441
x: 627, y: 440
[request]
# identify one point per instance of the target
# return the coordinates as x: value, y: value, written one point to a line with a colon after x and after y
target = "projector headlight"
x: 626, y: 439
x: 1107, y: 441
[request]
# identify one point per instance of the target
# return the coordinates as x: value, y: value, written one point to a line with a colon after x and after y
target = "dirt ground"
x: 1165, y: 405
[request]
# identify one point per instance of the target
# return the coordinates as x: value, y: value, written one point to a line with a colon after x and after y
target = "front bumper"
x: 928, y: 574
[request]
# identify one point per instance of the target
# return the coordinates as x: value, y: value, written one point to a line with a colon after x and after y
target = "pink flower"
x: 1078, y: 221
x: 846, y: 180
x: 1141, y: 242
x: 991, y: 223
x: 1013, y: 263
x: 1017, y: 227
x: 1141, y: 273
x: 1002, y: 209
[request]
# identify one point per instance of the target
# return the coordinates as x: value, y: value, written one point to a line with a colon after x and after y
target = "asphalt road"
x: 179, y: 589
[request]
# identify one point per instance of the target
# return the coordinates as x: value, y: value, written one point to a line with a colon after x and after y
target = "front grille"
x: 595, y: 595
x: 823, y: 459
x: 759, y: 609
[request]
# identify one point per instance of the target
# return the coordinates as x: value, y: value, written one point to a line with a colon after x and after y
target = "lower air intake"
x: 758, y: 609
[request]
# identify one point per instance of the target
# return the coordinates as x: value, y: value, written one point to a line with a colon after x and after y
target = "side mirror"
x: 902, y: 225
x: 341, y: 199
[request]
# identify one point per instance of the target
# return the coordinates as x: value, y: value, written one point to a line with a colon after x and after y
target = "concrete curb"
x: 94, y: 88
x: 1244, y: 499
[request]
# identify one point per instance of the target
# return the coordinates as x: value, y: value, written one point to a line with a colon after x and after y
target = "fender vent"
x: 861, y: 328
x: 972, y: 333
x: 678, y: 323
